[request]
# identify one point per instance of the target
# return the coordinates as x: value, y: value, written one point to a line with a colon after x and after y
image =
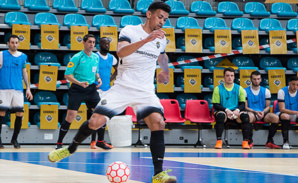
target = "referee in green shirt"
x: 82, y: 71
x: 229, y: 103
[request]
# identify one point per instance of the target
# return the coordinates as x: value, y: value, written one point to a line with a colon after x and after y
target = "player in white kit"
x: 139, y: 48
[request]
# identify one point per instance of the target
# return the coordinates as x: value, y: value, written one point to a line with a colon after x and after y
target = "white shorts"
x: 292, y: 116
x: 118, y: 98
x: 12, y: 100
x: 101, y: 93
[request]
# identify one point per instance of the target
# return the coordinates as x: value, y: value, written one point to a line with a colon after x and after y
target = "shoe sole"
x: 171, y: 180
x: 51, y: 160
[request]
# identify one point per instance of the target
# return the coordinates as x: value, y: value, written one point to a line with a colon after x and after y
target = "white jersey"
x: 137, y: 70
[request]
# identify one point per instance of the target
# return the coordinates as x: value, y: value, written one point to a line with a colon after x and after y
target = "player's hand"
x: 99, y: 83
x: 260, y: 114
x: 236, y: 114
x: 84, y: 84
x: 229, y: 113
x: 163, y: 77
x: 29, y: 95
x: 156, y: 34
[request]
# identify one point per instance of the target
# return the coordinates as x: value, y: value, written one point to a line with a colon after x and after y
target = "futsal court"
x: 190, y: 165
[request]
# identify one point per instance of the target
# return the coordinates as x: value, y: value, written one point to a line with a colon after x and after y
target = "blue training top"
x: 256, y: 102
x: 105, y: 67
x: 229, y: 99
x: 291, y: 103
x: 11, y: 73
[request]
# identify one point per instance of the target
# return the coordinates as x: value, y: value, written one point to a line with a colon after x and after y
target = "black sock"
x: 157, y: 148
x: 83, y: 132
x: 101, y: 133
x: 272, y: 130
x: 250, y: 132
x: 63, y: 130
x: 219, y: 127
x: 17, y: 128
x: 245, y: 131
x: 1, y: 120
x: 93, y: 136
x: 285, y: 126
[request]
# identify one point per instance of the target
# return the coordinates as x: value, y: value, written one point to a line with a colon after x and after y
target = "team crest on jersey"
x: 192, y: 81
x: 221, y: 81
x: 278, y: 43
x: 277, y: 82
x: 48, y: 79
x: 104, y: 102
x: 21, y: 38
x: 250, y: 43
x: 49, y: 118
x: 158, y: 45
x: 193, y: 41
x: 50, y: 38
x: 79, y: 39
x: 248, y: 82
x: 70, y: 64
x: 78, y: 117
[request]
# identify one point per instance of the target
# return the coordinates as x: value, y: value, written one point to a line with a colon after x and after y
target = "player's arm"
x: 242, y: 99
x: 98, y: 79
x: 163, y: 76
x: 216, y: 100
x: 267, y: 101
x: 71, y: 66
x: 26, y: 80
x: 282, y: 105
x: 115, y: 66
x: 249, y: 109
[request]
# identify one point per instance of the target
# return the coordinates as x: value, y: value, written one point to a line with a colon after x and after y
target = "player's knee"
x: 97, y: 120
x: 244, y: 117
x: 284, y: 116
x: 220, y: 117
x: 252, y: 117
x: 2, y: 113
x: 19, y: 114
x: 274, y: 119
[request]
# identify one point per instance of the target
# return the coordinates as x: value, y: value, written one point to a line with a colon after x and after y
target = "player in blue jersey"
x: 106, y: 62
x: 12, y: 73
x: 287, y: 108
x: 258, y: 107
x: 228, y: 100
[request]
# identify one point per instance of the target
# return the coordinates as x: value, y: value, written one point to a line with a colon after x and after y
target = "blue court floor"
x: 190, y: 165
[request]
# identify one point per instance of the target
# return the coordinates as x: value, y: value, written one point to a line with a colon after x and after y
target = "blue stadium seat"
x: 46, y: 18
x: 211, y: 64
x: 66, y: 41
x: 103, y: 20
x: 292, y: 25
x: 130, y: 20
x: 120, y: 6
x: 292, y: 64
x: 168, y: 24
x: 179, y: 80
x: 162, y: 96
x: 240, y: 24
x: 65, y: 5
x: 293, y: 46
x: 16, y: 18
x: 37, y: 40
x: 182, y: 98
x: 67, y: 57
x: 268, y: 24
x: 36, y: 5
x: 209, y: 43
x: 256, y: 9
x: 213, y: 23
x: 208, y: 98
x: 143, y: 5
x: 45, y: 97
x: 187, y: 23
x: 243, y: 61
x: 208, y: 81
x: 283, y: 10
x: 237, y: 43
x: 265, y: 81
x: 264, y: 41
x: 75, y: 20
x: 93, y: 6
x: 267, y: 63
x: 46, y: 58
x: 180, y: 42
x: 36, y: 118
x: 229, y: 9
x: 202, y: 8
x: 187, y: 57
x: 177, y: 8
x: 10, y: 5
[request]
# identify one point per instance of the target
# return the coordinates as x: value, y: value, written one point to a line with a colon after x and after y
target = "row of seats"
x: 178, y: 8
x: 211, y: 23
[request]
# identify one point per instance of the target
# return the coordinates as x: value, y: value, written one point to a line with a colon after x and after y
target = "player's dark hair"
x: 256, y: 73
x: 12, y: 36
x: 86, y: 37
x: 102, y: 38
x: 159, y: 5
x: 230, y: 69
x: 293, y: 78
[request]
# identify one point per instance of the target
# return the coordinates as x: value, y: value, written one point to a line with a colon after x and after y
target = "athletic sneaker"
x: 163, y: 177
x: 103, y: 145
x: 15, y: 144
x: 271, y: 145
x: 218, y: 144
x: 245, y: 145
x: 58, y: 154
x: 93, y: 145
x: 59, y: 145
x: 250, y: 143
x: 286, y: 145
x: 1, y: 145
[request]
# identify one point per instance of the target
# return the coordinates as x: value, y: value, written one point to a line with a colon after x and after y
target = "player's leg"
x: 285, y: 126
x: 5, y: 103
x: 2, y: 115
x: 220, y: 119
x: 245, y: 125
x: 17, y: 106
x: 252, y: 119
x: 273, y: 119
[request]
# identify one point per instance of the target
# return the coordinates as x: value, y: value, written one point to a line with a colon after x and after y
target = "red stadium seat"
x: 129, y: 111
x: 197, y: 111
x: 172, y: 111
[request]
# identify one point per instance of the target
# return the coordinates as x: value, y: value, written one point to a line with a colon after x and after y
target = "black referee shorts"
x: 78, y: 94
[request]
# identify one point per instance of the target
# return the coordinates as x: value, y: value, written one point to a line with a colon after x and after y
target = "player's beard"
x: 105, y: 51
x: 255, y: 85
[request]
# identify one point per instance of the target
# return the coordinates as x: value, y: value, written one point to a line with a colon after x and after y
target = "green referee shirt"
x: 83, y: 67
